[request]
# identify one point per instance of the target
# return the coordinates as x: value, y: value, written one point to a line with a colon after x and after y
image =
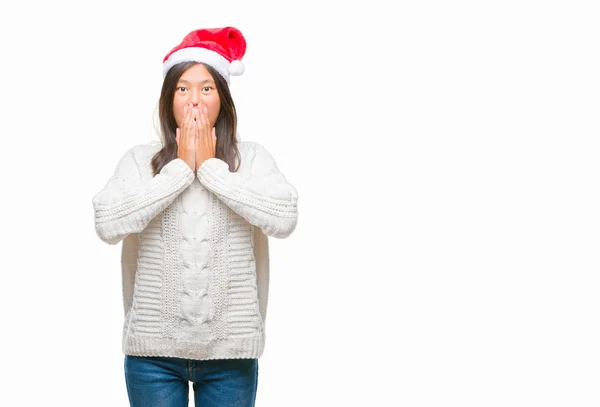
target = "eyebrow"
x: 202, y: 82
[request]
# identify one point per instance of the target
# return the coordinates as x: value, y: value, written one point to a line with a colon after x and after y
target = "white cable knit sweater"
x: 195, y: 257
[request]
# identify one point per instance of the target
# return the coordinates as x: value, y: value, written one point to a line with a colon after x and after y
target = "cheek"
x: 178, y: 113
x: 213, y: 116
x: 213, y: 112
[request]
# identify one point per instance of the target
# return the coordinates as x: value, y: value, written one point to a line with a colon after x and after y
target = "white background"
x: 446, y: 157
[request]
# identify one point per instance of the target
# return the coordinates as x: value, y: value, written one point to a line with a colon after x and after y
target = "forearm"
x: 123, y: 209
x: 268, y: 201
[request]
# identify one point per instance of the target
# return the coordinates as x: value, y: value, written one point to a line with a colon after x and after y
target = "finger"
x: 184, y: 122
x: 198, y: 116
x: 189, y: 122
x: 189, y: 130
x: 198, y: 119
x: 207, y: 130
x: 189, y: 118
x: 194, y: 123
x: 177, y: 132
x: 201, y: 117
x: 200, y: 126
x: 186, y: 113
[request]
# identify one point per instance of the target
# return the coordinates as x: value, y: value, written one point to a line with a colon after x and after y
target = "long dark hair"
x: 225, y: 126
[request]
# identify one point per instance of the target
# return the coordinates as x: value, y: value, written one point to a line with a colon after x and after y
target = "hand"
x: 186, y: 138
x: 206, y: 137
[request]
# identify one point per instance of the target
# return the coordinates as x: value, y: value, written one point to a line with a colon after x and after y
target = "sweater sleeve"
x: 258, y: 192
x: 133, y: 196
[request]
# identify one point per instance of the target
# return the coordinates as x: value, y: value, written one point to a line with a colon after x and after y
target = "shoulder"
x: 144, y: 152
x: 249, y: 149
x: 145, y: 149
x: 248, y: 146
x: 256, y: 157
x: 139, y: 156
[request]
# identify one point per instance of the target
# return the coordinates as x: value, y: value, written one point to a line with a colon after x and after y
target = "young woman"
x: 194, y: 213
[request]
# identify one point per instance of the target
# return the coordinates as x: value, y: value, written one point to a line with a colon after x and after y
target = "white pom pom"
x: 236, y: 68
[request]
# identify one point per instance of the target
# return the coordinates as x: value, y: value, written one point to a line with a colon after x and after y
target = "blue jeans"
x: 163, y: 381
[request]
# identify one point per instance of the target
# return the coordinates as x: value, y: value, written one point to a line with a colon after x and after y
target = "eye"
x: 181, y: 88
x: 207, y: 89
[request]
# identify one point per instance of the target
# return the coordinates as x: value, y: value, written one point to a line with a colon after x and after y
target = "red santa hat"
x: 221, y: 48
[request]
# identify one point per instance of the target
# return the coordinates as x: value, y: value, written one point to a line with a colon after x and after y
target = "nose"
x: 195, y: 97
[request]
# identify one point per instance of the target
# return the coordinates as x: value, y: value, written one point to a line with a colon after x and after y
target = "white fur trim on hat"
x: 236, y: 68
x: 197, y: 54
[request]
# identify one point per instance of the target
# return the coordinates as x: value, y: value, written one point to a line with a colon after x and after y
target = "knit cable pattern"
x: 195, y: 251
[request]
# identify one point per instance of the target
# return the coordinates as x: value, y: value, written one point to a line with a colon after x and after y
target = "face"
x: 196, y: 86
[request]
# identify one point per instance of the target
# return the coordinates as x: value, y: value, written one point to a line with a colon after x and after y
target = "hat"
x: 221, y: 48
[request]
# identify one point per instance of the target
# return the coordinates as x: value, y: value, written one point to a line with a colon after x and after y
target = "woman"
x: 194, y: 214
